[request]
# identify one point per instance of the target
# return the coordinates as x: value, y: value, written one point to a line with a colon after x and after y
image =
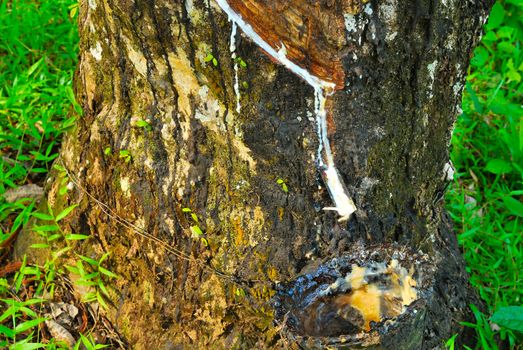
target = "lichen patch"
x: 136, y: 57
x: 351, y: 24
x: 125, y: 185
x: 185, y: 80
x: 96, y: 51
x: 431, y: 68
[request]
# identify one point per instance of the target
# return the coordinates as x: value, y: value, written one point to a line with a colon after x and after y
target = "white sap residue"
x: 319, y: 111
x: 343, y: 203
x: 232, y: 48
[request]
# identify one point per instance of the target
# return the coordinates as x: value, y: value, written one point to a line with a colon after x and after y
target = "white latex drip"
x: 319, y: 99
x: 232, y: 48
x: 343, y: 203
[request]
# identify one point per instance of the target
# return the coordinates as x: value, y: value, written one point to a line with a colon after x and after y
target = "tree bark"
x: 249, y: 173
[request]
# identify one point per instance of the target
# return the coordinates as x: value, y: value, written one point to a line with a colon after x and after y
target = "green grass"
x: 38, y: 53
x: 485, y: 200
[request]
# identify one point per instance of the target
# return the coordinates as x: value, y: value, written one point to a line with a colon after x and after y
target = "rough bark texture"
x: 404, y: 65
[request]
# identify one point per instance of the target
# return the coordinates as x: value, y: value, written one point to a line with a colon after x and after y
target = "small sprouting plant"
x: 46, y: 157
x: 51, y: 231
x: 62, y: 173
x: 210, y: 58
x: 93, y: 275
x: 20, y: 319
x: 125, y: 155
x: 140, y: 123
x: 241, y: 62
x: 450, y: 344
x: 73, y: 10
x: 283, y: 185
x: 24, y: 321
x: 239, y: 292
x: 108, y: 151
x: 196, y: 231
x: 89, y: 343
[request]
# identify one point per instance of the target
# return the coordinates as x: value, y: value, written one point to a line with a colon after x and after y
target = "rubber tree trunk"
x: 181, y: 118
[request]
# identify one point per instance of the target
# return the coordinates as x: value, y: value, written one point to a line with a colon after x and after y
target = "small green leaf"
x: 186, y: 210
x: 143, y: 124
x: 22, y: 327
x: 521, y: 134
x: 481, y: 56
x: 506, y: 47
x: 89, y: 297
x: 86, y: 283
x: 69, y: 122
x: 42, y: 216
x: 72, y: 269
x: 498, y: 166
x: 107, y: 151
x: 76, y: 237
x: 103, y: 289
x: 26, y: 345
x: 107, y: 272
x: 54, y: 237
x: 514, y: 206
x: 65, y: 212
x: 70, y: 95
x: 89, y: 277
x: 497, y: 14
x: 59, y: 168
x: 215, y: 62
x: 9, y: 312
x: 196, y: 231
x: 102, y: 259
x: 451, y: 342
x: 73, y: 11
x: 61, y: 252
x: 209, y: 57
x: 90, y: 261
x: 62, y: 190
x: 512, y: 75
x: 35, y: 66
x: 39, y: 246
x: 46, y: 228
x: 125, y: 155
x: 7, y: 332
x: 510, y: 317
x: 194, y: 217
x: 283, y: 185
x: 242, y: 62
x: 101, y: 300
